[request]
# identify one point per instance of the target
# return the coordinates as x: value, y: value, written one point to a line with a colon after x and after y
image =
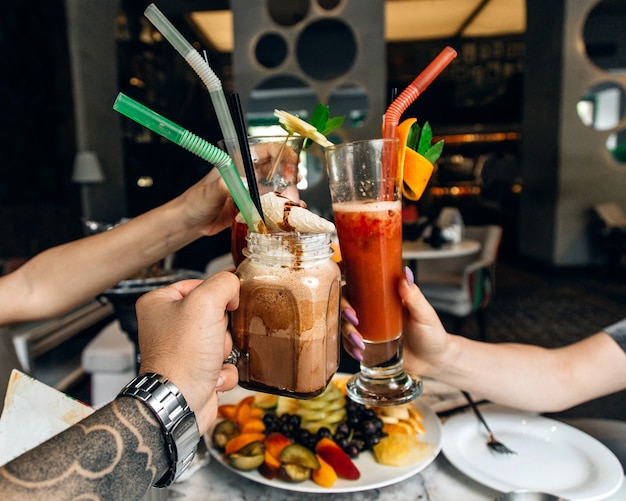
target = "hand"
x: 352, y: 339
x: 183, y: 335
x: 424, y: 338
x: 425, y: 341
x: 209, y: 205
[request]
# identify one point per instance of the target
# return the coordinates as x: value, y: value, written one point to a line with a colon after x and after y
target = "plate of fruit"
x: 327, y: 444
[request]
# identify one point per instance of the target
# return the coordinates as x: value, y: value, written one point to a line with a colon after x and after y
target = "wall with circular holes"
x: 574, y: 132
x: 292, y: 54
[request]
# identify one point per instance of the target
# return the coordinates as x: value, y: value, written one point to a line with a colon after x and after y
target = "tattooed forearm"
x: 116, y: 453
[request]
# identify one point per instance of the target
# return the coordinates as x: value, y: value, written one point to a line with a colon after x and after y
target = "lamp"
x: 87, y: 168
x: 87, y: 171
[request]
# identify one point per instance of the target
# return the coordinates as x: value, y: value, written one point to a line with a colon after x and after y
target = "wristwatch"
x: 177, y: 419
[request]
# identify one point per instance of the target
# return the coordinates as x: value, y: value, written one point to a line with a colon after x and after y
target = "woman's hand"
x: 424, y: 338
x: 209, y: 207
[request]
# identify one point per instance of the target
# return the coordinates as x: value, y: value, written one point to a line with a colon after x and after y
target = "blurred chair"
x: 463, y: 287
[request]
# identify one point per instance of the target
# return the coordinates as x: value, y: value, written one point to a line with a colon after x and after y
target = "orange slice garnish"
x: 416, y: 169
x: 416, y: 174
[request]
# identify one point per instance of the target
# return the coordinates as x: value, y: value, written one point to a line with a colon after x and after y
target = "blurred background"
x: 531, y: 110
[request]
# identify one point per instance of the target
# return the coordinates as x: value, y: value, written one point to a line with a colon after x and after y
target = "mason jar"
x: 286, y: 328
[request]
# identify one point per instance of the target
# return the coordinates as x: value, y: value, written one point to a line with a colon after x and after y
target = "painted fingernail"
x: 357, y: 354
x: 350, y: 316
x: 410, y: 277
x: 356, y: 340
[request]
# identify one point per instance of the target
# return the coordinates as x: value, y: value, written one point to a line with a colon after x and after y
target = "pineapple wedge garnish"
x: 296, y: 125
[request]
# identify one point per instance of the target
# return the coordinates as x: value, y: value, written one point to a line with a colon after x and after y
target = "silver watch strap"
x: 177, y: 419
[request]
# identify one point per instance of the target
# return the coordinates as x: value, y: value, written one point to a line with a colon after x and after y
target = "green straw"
x: 198, y: 146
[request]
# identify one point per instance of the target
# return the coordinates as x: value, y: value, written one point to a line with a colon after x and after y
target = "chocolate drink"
x: 287, y: 323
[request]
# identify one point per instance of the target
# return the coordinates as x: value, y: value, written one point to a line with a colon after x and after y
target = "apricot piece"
x: 241, y: 440
x: 227, y: 411
x: 325, y: 475
x: 275, y: 443
x: 252, y: 425
x: 334, y: 455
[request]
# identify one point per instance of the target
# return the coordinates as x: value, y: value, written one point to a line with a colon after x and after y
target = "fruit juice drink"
x: 371, y: 237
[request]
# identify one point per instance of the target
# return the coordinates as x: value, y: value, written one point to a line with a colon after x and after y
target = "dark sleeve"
x: 618, y: 332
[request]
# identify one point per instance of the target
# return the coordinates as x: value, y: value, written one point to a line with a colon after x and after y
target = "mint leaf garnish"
x: 420, y: 139
x: 433, y: 153
x: 321, y: 120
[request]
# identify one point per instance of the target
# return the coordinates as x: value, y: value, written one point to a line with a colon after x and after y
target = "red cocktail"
x: 370, y: 235
x: 365, y: 192
x: 275, y: 160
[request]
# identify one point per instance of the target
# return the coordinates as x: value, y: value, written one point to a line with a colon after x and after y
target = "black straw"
x: 240, y: 126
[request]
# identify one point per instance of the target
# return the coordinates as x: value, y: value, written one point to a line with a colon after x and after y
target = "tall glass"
x: 275, y: 160
x: 367, y: 205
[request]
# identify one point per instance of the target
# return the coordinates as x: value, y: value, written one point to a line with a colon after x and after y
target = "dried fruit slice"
x: 294, y: 473
x: 401, y: 450
x: 300, y: 455
x: 223, y: 432
x: 248, y: 457
x: 330, y: 452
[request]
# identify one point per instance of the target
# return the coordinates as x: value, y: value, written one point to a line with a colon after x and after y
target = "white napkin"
x: 33, y: 413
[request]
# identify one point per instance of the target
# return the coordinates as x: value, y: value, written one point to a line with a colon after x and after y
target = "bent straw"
x: 240, y: 124
x: 198, y: 146
x: 206, y: 74
x: 415, y: 88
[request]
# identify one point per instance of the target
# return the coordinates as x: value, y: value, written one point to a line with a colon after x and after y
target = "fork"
x: 492, y: 443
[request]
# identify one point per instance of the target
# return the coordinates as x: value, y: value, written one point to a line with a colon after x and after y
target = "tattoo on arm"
x: 116, y: 453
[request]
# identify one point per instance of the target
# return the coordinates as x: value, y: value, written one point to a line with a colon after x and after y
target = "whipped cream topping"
x: 281, y: 213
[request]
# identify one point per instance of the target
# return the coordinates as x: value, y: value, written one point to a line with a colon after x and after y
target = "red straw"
x: 412, y: 92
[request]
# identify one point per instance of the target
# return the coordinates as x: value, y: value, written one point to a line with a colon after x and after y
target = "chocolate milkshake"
x: 287, y: 323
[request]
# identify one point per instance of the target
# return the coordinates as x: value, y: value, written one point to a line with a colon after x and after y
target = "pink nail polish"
x: 356, y: 340
x: 350, y: 316
x: 410, y: 277
x: 357, y: 354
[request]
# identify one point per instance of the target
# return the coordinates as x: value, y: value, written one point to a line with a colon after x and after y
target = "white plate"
x: 373, y: 474
x: 551, y: 456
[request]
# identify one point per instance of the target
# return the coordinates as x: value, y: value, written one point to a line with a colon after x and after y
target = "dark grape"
x: 294, y: 420
x: 352, y: 451
x: 303, y: 436
x: 324, y: 432
x: 343, y: 443
x: 358, y: 443
x: 343, y: 428
x: 368, y: 427
x: 368, y: 414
